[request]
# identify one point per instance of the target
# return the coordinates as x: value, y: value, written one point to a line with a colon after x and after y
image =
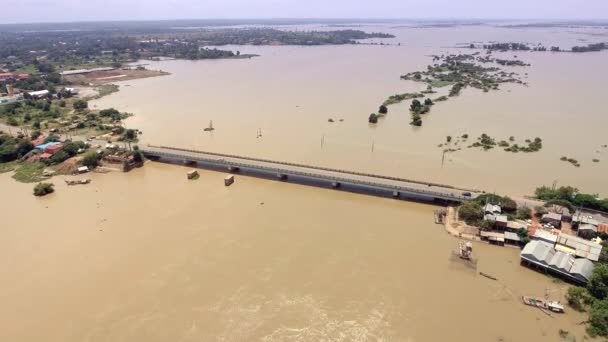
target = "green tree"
x: 373, y: 118
x: 130, y: 134
x: 42, y: 189
x: 382, y: 109
x: 523, y: 213
x: 598, y: 283
x: 470, y: 212
x: 80, y: 104
x: 598, y: 319
x: 91, y: 160
x: 428, y: 102
x: 577, y: 297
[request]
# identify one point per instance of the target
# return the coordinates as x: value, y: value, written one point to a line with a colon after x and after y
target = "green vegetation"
x: 506, y: 203
x: 401, y: 97
x: 523, y: 213
x: 590, y: 47
x: 373, y: 118
x: 29, y: 173
x: 91, y: 159
x: 571, y: 161
x: 571, y: 196
x: 471, y: 213
x: 69, y: 49
x: 13, y: 148
x: 43, y: 189
x: 80, y: 105
x: 382, y: 110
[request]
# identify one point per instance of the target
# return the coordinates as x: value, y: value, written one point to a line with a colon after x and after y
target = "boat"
x: 543, y: 304
x: 465, y: 250
x: 210, y: 128
x: 78, y: 182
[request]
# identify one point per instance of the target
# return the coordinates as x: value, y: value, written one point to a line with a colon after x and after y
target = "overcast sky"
x: 18, y: 11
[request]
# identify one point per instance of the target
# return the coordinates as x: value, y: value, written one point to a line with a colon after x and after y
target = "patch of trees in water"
x: 458, y: 71
x: 503, y: 47
x: 487, y: 142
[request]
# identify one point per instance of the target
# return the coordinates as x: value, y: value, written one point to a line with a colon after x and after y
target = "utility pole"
x: 373, y: 144
x: 322, y: 140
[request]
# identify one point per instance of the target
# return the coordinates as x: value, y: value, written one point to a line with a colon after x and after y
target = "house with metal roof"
x: 582, y: 269
x: 543, y: 256
x: 543, y: 235
x: 492, y: 209
x: 587, y: 231
x: 554, y: 219
x: 582, y: 248
x: 579, y: 219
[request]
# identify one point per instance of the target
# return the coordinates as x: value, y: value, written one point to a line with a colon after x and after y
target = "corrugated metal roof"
x: 584, y: 248
x: 582, y: 267
x: 512, y: 236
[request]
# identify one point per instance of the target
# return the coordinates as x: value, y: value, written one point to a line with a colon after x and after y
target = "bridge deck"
x: 387, y: 183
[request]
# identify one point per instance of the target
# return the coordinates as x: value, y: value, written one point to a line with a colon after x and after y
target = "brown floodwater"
x: 150, y: 256
x: 291, y: 92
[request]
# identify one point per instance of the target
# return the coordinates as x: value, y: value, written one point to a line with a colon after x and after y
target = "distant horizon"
x: 564, y: 20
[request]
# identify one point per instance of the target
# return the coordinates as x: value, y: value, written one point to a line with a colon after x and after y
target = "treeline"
x: 13, y: 148
x: 539, y: 47
x: 77, y: 48
x: 590, y: 47
x: 571, y: 197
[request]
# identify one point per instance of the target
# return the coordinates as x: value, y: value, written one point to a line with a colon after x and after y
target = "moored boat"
x: 543, y: 304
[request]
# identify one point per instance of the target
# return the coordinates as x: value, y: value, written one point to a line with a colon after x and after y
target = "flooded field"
x: 291, y: 92
x: 150, y: 256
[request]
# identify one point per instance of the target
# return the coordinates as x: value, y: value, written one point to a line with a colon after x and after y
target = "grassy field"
x: 29, y: 173
x: 8, y: 167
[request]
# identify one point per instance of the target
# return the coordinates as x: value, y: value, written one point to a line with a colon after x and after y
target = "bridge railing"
x: 389, y: 187
x: 363, y: 174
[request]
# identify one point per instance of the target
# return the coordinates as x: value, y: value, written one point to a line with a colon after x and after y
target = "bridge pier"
x: 335, y: 185
x: 233, y: 169
x: 281, y: 176
x: 396, y: 194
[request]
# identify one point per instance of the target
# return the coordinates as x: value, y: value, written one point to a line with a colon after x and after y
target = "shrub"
x: 382, y: 109
x: 91, y: 160
x: 470, y: 212
x: 577, y: 297
x: 42, y: 189
x: 80, y: 104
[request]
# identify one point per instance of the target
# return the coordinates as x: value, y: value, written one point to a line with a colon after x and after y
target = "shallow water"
x: 290, y: 92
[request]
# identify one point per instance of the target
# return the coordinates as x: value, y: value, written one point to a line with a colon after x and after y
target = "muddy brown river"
x: 149, y: 256
x: 289, y: 93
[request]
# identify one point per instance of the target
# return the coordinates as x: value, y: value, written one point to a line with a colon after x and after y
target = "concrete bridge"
x: 345, y: 180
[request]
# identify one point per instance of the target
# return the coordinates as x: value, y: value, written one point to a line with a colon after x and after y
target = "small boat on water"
x: 78, y: 182
x: 465, y: 250
x: 210, y: 128
x: 543, y: 304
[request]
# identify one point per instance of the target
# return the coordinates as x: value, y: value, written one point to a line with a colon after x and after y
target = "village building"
x: 491, y: 209
x: 39, y: 94
x: 553, y: 219
x: 580, y: 247
x: 543, y: 256
x: 545, y: 236
x: 512, y: 238
x: 493, y: 237
x: 587, y: 231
